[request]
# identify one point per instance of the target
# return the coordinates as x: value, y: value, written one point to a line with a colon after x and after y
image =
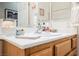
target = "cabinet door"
x: 45, y: 52
x: 1, y: 46
x: 73, y: 53
x: 63, y: 48
x: 11, y: 50
x: 74, y: 42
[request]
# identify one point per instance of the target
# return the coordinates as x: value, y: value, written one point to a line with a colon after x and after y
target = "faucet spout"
x: 39, y: 29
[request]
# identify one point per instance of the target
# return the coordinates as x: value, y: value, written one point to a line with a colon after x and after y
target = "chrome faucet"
x: 39, y: 28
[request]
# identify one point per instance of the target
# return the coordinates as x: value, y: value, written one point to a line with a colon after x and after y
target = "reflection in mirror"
x: 21, y: 7
x: 29, y: 14
x: 39, y: 13
x: 61, y: 16
x: 32, y: 13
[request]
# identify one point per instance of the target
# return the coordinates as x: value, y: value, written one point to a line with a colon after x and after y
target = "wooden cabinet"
x: 63, y: 48
x: 11, y: 50
x: 42, y: 50
x: 74, y: 42
x: 1, y: 47
x: 39, y: 48
x: 45, y: 52
x: 73, y: 53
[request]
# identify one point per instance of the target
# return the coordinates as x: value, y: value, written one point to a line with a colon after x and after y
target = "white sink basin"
x: 36, y: 35
x: 47, y: 34
x: 29, y: 36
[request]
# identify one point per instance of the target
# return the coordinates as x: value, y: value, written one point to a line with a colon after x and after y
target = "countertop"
x: 27, y: 43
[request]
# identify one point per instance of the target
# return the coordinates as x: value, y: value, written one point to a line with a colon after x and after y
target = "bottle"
x: 43, y: 27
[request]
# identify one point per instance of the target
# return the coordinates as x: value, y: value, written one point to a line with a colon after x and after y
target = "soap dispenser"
x: 19, y: 31
x: 43, y: 26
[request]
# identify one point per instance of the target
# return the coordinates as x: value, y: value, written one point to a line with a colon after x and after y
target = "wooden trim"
x: 63, y: 48
x: 27, y: 52
x: 1, y: 47
x: 74, y: 43
x: 73, y: 53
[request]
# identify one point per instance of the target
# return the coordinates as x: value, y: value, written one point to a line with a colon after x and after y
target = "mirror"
x: 31, y: 13
x: 38, y: 12
x: 61, y: 10
x: 61, y: 15
x: 20, y: 7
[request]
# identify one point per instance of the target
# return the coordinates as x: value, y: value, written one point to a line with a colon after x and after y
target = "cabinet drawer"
x: 74, y: 42
x: 63, y: 48
x: 45, y: 52
x: 39, y: 48
x: 73, y: 53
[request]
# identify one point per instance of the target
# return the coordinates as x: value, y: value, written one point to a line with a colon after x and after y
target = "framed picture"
x: 11, y: 14
x: 41, y: 12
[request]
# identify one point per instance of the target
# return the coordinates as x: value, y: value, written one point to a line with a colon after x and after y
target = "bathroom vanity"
x: 40, y: 15
x: 1, y: 47
x: 62, y: 45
